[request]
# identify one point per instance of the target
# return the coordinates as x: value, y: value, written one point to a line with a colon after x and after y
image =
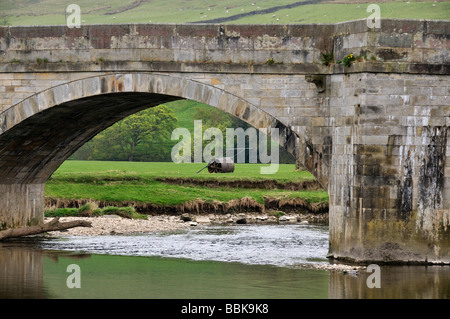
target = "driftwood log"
x: 53, y: 225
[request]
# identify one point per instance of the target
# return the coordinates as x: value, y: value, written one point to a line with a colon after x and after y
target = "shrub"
x: 40, y: 61
x: 276, y: 213
x: 91, y: 209
x: 62, y: 212
x: 126, y: 212
x: 327, y: 58
x: 270, y: 61
x: 349, y: 59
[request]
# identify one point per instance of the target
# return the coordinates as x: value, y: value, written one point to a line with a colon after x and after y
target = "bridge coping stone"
x: 411, y: 41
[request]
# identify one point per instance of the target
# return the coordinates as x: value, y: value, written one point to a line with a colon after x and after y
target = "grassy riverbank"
x: 139, y: 184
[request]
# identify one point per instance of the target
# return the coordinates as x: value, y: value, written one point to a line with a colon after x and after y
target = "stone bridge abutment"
x: 375, y: 134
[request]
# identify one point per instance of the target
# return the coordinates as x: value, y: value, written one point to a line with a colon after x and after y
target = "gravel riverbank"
x: 115, y: 225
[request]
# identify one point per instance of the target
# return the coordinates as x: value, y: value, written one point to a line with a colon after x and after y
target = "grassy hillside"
x: 185, y: 111
x: 46, y: 12
x: 333, y: 13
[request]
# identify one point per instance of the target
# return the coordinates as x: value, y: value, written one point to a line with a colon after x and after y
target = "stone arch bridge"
x: 375, y: 134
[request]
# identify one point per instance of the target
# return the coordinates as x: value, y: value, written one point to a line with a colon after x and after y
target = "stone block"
x: 161, y: 30
x: 357, y: 26
x: 36, y: 31
x: 156, y: 55
x: 400, y: 40
x: 436, y: 27
x: 271, y: 30
x: 402, y: 26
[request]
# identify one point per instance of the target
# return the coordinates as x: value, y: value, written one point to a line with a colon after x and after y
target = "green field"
x: 136, y: 181
x: 48, y: 12
x: 334, y: 13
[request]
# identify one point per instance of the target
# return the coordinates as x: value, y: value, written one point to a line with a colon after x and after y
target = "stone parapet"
x: 411, y: 41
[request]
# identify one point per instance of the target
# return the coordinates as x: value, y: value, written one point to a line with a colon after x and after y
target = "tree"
x: 84, y: 152
x: 213, y: 117
x: 149, y: 129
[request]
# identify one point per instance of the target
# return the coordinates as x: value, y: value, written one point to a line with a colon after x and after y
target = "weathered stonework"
x: 389, y: 197
x: 375, y: 135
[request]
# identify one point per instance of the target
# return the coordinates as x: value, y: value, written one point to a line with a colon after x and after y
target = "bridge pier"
x: 359, y: 233
x: 388, y: 175
x: 21, y: 205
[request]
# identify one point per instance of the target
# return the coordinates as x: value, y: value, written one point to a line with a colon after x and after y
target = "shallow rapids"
x: 279, y: 245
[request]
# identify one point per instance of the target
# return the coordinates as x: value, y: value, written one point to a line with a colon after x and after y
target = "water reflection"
x: 29, y: 271
x: 22, y: 269
x: 123, y: 277
x: 397, y: 282
x: 21, y: 272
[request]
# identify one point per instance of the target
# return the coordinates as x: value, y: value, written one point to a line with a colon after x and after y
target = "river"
x: 207, y: 262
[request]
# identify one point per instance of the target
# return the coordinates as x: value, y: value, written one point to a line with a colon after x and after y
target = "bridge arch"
x: 38, y: 134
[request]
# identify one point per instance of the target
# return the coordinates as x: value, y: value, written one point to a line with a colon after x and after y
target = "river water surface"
x: 239, y: 261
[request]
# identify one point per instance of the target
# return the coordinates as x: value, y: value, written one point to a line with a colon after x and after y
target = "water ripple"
x: 281, y: 245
